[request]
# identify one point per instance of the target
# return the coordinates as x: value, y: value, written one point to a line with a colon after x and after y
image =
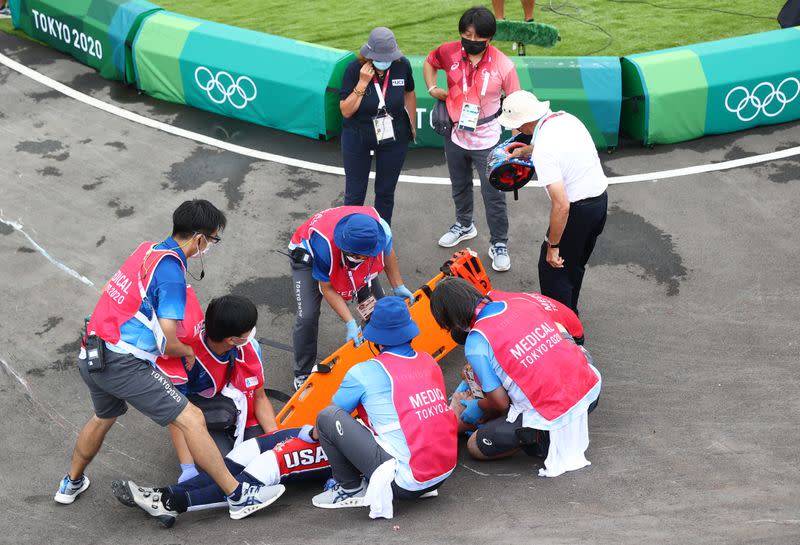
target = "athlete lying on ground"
x: 269, y: 461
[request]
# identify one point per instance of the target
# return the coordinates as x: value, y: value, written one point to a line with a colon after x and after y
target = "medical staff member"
x: 378, y: 102
x: 337, y: 255
x: 477, y: 75
x: 567, y: 166
x: 533, y: 376
x: 227, y: 379
x: 134, y: 322
x: 411, y: 446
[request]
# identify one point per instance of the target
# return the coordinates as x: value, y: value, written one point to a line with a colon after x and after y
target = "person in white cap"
x: 567, y: 166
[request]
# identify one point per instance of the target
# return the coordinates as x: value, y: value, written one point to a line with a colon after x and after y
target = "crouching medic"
x: 227, y: 380
x: 535, y: 385
x: 410, y: 446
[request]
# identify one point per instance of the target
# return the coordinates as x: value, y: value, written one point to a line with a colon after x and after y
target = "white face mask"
x: 352, y: 262
x: 249, y: 338
x: 204, y: 251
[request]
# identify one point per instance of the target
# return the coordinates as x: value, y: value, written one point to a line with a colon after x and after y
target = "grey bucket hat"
x: 381, y: 46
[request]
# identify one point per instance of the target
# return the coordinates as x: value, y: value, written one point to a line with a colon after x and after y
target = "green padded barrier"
x: 89, y: 30
x: 716, y: 87
x: 269, y: 80
x: 587, y: 87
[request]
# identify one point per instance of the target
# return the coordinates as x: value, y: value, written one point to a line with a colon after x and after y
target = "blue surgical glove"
x: 353, y: 333
x: 403, y: 291
x: 305, y: 433
x: 472, y: 413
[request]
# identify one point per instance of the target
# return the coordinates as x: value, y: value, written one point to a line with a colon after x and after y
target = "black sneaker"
x: 533, y: 442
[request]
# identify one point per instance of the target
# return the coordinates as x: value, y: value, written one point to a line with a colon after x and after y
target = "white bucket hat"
x: 522, y: 107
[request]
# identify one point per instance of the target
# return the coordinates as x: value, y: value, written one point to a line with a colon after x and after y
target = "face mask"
x: 352, y: 262
x: 249, y: 338
x: 203, y: 252
x: 459, y: 336
x: 381, y: 65
x: 473, y: 47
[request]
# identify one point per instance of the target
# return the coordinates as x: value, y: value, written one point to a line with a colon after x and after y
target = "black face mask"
x: 473, y: 47
x: 459, y: 336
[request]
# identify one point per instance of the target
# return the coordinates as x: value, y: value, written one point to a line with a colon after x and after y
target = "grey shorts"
x: 127, y: 379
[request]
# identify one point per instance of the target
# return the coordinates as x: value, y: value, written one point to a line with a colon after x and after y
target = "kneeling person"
x: 226, y: 381
x: 538, y: 384
x: 410, y: 447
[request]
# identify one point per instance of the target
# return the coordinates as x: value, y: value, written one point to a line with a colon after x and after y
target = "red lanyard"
x: 381, y: 95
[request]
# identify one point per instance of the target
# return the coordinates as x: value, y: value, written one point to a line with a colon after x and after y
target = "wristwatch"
x: 551, y: 245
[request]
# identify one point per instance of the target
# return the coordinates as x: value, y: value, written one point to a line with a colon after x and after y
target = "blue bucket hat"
x: 359, y: 234
x: 391, y: 323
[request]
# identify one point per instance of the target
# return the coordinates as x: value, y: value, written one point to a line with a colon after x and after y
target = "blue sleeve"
x: 388, y: 230
x: 479, y: 354
x: 257, y: 347
x: 168, y: 289
x: 349, y: 394
x: 322, y: 258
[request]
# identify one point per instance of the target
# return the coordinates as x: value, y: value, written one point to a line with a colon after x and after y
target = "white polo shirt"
x: 564, y: 150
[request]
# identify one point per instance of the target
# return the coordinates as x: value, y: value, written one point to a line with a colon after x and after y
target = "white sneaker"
x: 431, y: 494
x: 500, y: 258
x: 69, y: 489
x: 336, y: 497
x: 254, y: 498
x: 146, y: 498
x: 456, y: 234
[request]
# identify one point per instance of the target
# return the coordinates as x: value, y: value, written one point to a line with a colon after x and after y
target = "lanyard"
x: 485, y: 78
x: 381, y: 94
x: 350, y: 276
x: 542, y: 122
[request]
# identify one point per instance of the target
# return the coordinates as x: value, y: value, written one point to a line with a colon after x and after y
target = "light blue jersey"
x: 368, y: 384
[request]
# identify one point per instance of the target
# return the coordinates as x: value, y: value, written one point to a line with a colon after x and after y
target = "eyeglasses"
x: 212, y: 238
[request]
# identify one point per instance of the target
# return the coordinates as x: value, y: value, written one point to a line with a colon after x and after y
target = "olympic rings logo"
x: 747, y: 105
x: 223, y: 88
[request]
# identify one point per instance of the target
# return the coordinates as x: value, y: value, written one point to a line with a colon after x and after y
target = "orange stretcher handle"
x: 318, y: 390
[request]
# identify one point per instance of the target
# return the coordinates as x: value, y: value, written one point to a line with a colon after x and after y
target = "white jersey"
x: 563, y: 150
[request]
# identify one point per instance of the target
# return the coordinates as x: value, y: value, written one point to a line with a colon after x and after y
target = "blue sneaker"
x: 254, y: 498
x: 69, y: 489
x: 336, y: 497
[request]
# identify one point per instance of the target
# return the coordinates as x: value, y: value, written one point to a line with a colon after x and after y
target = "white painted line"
x: 338, y: 171
x: 18, y: 226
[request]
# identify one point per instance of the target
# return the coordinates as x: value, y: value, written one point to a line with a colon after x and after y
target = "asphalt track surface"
x: 690, y: 304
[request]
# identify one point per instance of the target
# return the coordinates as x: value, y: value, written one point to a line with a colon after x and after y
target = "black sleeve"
x: 350, y: 79
x: 409, y: 75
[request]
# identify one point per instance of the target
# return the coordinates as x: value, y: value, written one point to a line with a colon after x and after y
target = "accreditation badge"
x: 470, y: 114
x: 384, y: 130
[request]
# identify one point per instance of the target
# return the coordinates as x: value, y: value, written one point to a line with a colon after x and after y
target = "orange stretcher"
x: 318, y: 390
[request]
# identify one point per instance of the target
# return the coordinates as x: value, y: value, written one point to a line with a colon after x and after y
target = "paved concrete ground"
x: 690, y: 304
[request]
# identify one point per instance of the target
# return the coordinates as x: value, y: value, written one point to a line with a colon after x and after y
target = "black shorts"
x: 499, y: 436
